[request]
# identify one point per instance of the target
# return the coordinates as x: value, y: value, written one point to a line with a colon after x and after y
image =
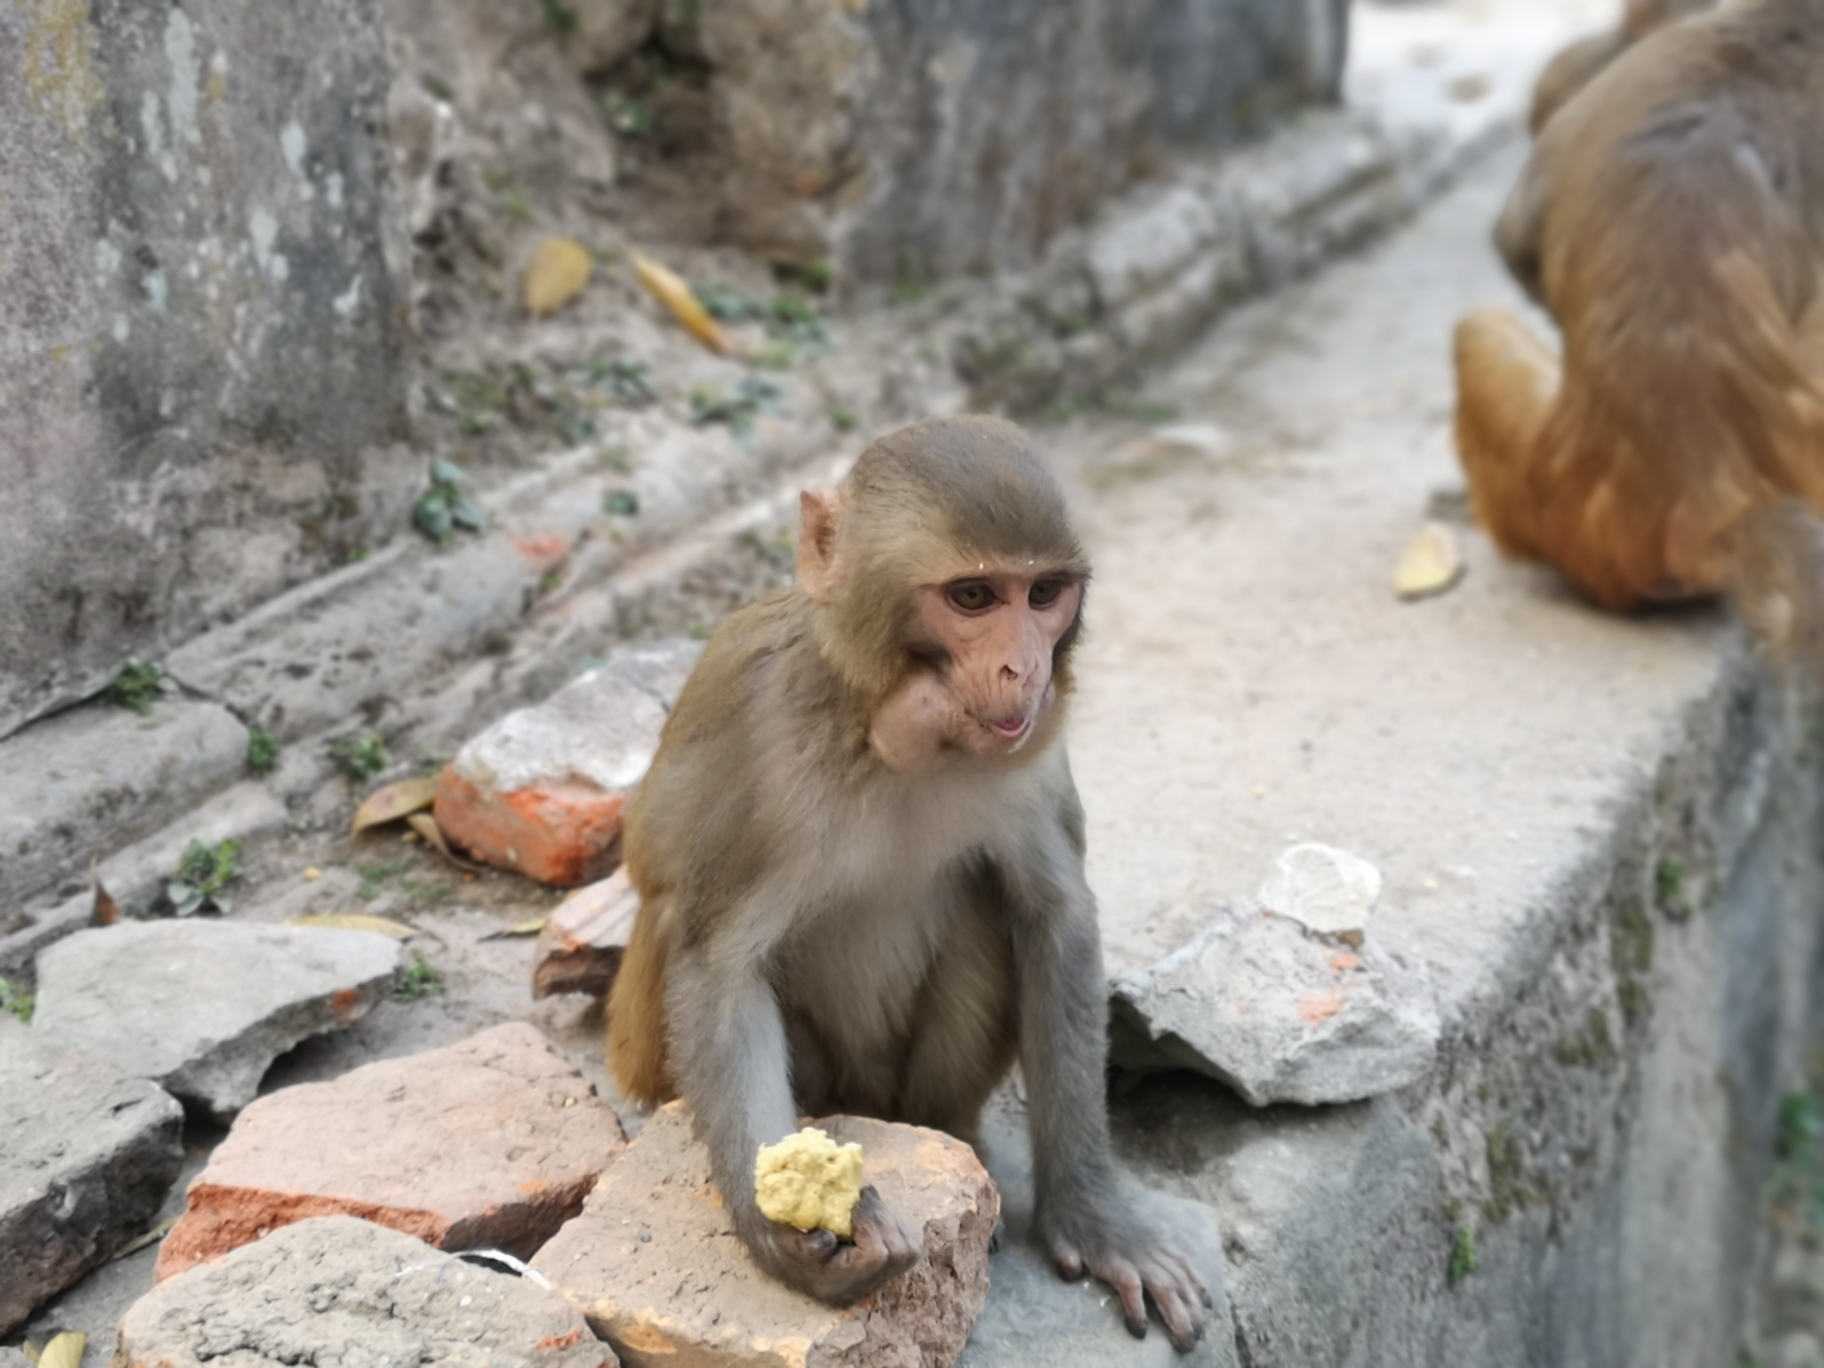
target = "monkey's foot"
x: 1138, y: 1264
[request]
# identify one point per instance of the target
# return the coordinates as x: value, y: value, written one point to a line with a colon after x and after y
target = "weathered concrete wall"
x: 1604, y: 1133
x: 909, y: 139
x: 202, y: 322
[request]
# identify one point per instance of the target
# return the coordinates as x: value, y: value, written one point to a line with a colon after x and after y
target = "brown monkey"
x: 1672, y: 221
x: 1572, y: 69
x: 859, y: 853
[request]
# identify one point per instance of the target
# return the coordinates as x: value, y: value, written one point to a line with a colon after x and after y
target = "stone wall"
x: 203, y: 329
x: 905, y: 140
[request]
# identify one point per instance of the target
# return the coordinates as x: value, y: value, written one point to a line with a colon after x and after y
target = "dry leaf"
x: 1430, y: 564
x: 64, y: 1351
x: 426, y: 826
x: 152, y: 1236
x: 105, y: 911
x: 356, y: 921
x: 555, y: 275
x: 671, y: 291
x: 394, y: 801
x: 530, y: 927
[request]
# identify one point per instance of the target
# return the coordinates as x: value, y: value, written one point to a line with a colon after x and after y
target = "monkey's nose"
x: 1009, y: 673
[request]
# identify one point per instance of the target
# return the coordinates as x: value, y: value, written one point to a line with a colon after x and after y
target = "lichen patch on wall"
x: 57, y: 69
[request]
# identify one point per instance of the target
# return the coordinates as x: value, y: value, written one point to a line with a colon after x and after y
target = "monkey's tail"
x: 1507, y: 381
x: 637, y: 1051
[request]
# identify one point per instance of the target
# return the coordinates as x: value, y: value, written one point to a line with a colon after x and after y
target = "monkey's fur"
x: 1671, y: 219
x: 819, y: 932
x: 1577, y: 65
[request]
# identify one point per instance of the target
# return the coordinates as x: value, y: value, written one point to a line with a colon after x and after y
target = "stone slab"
x: 136, y: 875
x: 654, y: 1262
x: 493, y: 1142
x: 88, y: 1157
x: 337, y: 1289
x: 541, y: 792
x: 204, y: 1006
x: 1280, y: 1014
x: 95, y: 778
x: 1035, y: 1319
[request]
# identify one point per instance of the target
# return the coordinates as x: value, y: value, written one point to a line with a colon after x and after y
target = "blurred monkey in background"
x: 1671, y: 220
x: 1573, y: 68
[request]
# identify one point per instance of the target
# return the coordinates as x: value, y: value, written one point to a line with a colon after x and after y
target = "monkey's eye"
x: 972, y: 596
x: 1045, y: 593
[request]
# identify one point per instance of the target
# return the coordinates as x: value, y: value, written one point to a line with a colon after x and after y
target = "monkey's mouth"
x: 1012, y: 728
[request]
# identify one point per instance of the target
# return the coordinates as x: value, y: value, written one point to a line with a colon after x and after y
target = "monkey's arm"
x: 729, y: 1047
x: 1089, y: 1219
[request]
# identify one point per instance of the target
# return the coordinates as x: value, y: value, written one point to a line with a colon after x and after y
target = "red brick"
x: 541, y: 791
x: 562, y: 833
x: 581, y: 943
x: 654, y: 1263
x: 491, y: 1142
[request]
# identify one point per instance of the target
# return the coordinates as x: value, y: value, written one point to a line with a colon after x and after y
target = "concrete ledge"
x: 1600, y: 1137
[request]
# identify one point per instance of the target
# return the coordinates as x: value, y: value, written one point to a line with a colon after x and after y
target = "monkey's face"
x: 997, y: 630
x: 989, y: 637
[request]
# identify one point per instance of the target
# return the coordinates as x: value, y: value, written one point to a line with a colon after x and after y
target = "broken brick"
x: 491, y: 1142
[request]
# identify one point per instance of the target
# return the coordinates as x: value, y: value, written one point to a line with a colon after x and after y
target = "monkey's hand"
x: 838, y: 1271
x: 1124, y: 1250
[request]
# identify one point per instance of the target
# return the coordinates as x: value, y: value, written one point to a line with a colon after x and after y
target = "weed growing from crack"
x: 1798, y: 1173
x: 137, y: 687
x: 444, y: 507
x: 1669, y: 890
x: 202, y: 873
x: 360, y: 757
x: 16, y: 1000
x: 1462, y: 1255
x: 419, y: 979
x: 262, y: 751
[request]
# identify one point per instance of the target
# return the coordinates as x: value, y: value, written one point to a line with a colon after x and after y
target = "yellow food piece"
x: 809, y: 1181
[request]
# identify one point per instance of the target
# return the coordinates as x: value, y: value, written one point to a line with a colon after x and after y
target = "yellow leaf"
x: 671, y: 291
x: 152, y: 1236
x: 426, y: 826
x: 356, y: 921
x: 555, y: 275
x: 64, y: 1351
x: 394, y: 801
x: 1429, y: 565
x: 525, y: 928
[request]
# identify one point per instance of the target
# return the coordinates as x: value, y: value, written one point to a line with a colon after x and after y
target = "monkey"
x: 1671, y: 221
x: 1572, y: 69
x: 859, y: 853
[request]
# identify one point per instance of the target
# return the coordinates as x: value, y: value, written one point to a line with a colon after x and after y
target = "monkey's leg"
x: 1088, y: 1218
x: 966, y: 1035
x: 1506, y: 383
x: 729, y: 1051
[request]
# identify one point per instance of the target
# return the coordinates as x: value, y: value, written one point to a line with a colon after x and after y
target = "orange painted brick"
x: 542, y: 790
x: 562, y: 833
x: 494, y: 1141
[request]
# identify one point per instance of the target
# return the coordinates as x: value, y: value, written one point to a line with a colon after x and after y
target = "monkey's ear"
x: 820, y: 511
